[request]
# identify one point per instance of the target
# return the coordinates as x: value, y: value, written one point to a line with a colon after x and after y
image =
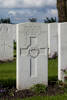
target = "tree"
x: 32, y: 19
x: 50, y: 20
x: 5, y: 20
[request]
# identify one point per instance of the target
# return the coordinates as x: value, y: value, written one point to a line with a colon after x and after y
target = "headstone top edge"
x: 32, y: 23
x: 62, y: 23
x: 53, y: 23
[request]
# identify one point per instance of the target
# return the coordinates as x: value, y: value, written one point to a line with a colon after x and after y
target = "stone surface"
x: 62, y: 51
x: 32, y: 56
x: 13, y: 31
x: 53, y: 39
x: 6, y: 42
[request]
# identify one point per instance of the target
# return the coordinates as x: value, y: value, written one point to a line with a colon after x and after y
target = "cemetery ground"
x: 55, y: 90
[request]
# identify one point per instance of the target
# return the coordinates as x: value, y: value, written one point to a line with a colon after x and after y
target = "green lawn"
x: 8, y: 70
x: 59, y: 97
x: 8, y: 74
x: 53, y: 69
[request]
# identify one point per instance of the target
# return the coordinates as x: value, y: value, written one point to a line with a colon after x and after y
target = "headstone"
x: 32, y: 56
x: 62, y: 51
x: 53, y: 39
x: 14, y: 31
x: 6, y: 43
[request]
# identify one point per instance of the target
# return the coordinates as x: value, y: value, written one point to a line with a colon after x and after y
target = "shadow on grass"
x: 10, y: 83
x: 52, y: 80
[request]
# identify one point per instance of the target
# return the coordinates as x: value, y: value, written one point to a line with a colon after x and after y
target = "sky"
x: 21, y: 10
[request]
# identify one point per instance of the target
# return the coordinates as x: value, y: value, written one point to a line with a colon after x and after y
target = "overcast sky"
x: 22, y: 10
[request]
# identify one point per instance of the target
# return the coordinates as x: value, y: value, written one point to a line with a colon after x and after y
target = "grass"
x: 8, y: 70
x: 38, y: 88
x: 58, y: 97
x: 53, y: 69
x: 8, y: 75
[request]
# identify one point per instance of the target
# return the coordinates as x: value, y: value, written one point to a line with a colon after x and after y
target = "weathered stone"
x: 62, y: 50
x: 32, y: 54
x: 6, y: 42
x: 53, y: 39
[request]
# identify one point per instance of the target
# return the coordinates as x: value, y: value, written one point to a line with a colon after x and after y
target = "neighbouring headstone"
x: 32, y: 54
x: 53, y: 39
x: 62, y: 51
x: 12, y: 27
x: 6, y: 42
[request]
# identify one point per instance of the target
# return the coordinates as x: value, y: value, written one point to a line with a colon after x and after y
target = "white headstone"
x: 62, y: 51
x: 12, y: 30
x: 6, y: 43
x: 53, y: 39
x: 13, y: 26
x: 32, y: 56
